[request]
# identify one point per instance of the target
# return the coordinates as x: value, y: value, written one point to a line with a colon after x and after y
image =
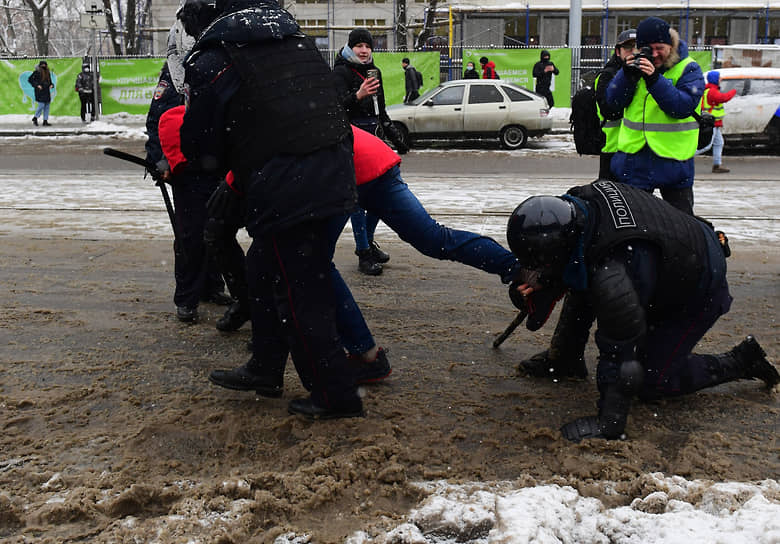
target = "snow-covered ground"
x: 104, y: 206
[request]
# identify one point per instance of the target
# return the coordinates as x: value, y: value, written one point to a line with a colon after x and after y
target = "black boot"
x: 746, y: 361
x: 35, y: 121
x: 250, y: 376
x: 366, y: 263
x: 234, y: 317
x: 542, y: 365
x: 379, y: 255
x: 305, y: 407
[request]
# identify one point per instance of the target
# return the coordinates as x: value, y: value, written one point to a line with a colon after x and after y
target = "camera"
x: 644, y: 53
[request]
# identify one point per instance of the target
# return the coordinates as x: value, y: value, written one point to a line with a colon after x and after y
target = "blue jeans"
x: 43, y: 107
x: 363, y: 227
x: 717, y: 146
x: 390, y: 199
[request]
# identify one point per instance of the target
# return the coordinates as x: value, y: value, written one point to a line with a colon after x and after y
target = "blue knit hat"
x: 653, y: 30
x: 713, y: 77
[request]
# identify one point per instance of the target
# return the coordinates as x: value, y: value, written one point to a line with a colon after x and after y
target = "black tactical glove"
x: 224, y: 202
x: 395, y: 137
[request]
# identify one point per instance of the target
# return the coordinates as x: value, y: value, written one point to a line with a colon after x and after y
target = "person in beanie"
x: 488, y: 69
x: 625, y: 48
x: 42, y: 83
x: 659, y: 92
x: 712, y: 102
x: 364, y: 99
x: 543, y: 72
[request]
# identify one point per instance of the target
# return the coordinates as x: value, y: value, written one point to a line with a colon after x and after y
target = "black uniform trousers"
x: 196, y: 274
x: 220, y: 236
x: 293, y: 311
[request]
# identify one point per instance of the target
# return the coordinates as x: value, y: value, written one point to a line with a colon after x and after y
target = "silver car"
x: 474, y: 108
x: 753, y: 115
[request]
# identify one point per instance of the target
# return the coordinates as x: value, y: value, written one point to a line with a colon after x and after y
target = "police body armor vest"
x: 287, y: 103
x: 644, y: 122
x: 626, y: 213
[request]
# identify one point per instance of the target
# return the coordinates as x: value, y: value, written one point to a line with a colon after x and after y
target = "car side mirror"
x: 429, y: 102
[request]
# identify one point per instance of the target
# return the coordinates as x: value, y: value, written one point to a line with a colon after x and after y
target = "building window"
x: 370, y: 22
x: 370, y: 1
x: 314, y: 27
x: 312, y: 1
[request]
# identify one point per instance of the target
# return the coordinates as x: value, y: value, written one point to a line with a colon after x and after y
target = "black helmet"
x: 196, y: 15
x: 542, y: 232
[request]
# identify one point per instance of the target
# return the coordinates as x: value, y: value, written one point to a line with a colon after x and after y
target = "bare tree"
x: 41, y: 15
x: 126, y: 32
x: 400, y: 28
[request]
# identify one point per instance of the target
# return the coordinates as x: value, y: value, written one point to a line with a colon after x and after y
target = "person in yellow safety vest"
x: 660, y: 90
x: 712, y: 102
x: 625, y: 48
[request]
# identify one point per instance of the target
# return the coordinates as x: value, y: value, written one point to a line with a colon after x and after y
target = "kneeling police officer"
x: 654, y: 279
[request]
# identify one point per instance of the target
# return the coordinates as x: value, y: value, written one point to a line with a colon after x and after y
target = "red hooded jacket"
x: 715, y: 97
x: 170, y: 139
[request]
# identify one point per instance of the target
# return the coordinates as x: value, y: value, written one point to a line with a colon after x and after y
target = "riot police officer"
x: 654, y: 279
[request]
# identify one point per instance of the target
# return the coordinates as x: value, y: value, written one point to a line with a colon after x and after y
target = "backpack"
x: 585, y: 123
x: 419, y: 77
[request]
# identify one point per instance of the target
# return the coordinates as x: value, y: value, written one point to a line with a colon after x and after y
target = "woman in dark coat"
x: 41, y: 82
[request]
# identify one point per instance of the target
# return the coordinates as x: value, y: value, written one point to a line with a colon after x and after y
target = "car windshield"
x: 752, y: 87
x: 425, y: 96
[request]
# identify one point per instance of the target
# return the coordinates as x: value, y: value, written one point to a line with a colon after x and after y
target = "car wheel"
x: 513, y: 137
x: 404, y: 133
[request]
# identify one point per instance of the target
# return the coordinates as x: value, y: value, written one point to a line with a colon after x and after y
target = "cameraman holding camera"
x: 659, y: 91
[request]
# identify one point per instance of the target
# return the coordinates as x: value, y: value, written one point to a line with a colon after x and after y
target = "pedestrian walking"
x: 543, y: 72
x: 712, y: 102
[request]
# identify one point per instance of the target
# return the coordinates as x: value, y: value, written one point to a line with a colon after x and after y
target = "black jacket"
x: 42, y: 94
x: 349, y: 78
x: 165, y: 97
x: 604, y: 78
x: 544, y: 79
x: 233, y: 120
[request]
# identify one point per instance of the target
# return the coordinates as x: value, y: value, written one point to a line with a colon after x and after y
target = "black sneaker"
x: 753, y: 359
x: 219, y: 298
x: 235, y: 316
x: 366, y: 263
x: 46, y: 124
x: 35, y: 121
x: 379, y: 255
x: 185, y: 314
x: 248, y: 377
x: 371, y: 372
x: 305, y: 407
x: 541, y: 366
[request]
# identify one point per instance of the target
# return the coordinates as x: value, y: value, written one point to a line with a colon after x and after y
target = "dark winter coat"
x: 84, y: 83
x: 470, y: 74
x: 544, y: 79
x: 165, y: 97
x: 605, y: 76
x: 230, y: 125
x: 41, y: 84
x: 349, y: 77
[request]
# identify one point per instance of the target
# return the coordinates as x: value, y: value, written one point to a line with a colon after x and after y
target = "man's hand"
x: 224, y: 202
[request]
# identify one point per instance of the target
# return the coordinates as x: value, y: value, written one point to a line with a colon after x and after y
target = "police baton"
x: 510, y: 328
x: 152, y: 169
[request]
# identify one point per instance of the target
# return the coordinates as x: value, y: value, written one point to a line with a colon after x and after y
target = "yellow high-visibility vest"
x: 717, y: 110
x: 611, y: 129
x: 645, y: 123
